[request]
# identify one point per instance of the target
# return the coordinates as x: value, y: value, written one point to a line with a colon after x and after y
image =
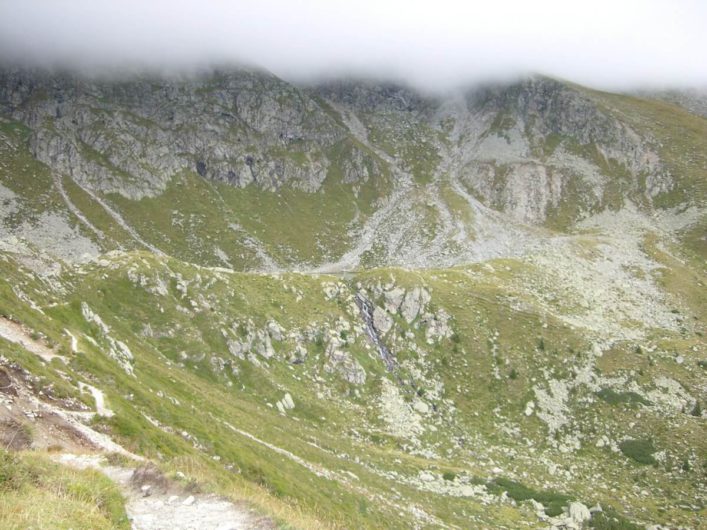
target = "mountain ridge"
x: 500, y: 147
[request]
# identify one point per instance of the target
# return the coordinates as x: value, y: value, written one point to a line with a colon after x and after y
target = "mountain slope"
x: 340, y: 163
x: 357, y: 306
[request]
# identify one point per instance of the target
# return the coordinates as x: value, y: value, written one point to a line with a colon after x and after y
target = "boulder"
x: 579, y: 513
x: 437, y: 326
x: 275, y: 330
x: 382, y: 321
x: 421, y: 407
x: 341, y: 361
x: 264, y: 347
x: 414, y: 303
x: 425, y: 476
x: 288, y: 402
x: 393, y: 299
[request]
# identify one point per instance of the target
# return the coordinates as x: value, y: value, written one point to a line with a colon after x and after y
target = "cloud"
x: 433, y: 44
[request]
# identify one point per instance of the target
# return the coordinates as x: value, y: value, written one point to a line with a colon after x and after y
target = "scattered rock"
x: 425, y: 476
x: 530, y: 408
x: 288, y: 402
x: 578, y: 512
x: 421, y: 407
x: 342, y: 362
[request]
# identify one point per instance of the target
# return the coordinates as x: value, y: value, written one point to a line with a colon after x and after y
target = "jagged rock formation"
x: 132, y: 137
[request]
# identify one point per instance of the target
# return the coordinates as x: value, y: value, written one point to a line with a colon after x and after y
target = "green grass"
x: 335, y: 428
x: 621, y: 398
x: 414, y: 147
x: 502, y: 122
x: 23, y: 174
x: 37, y: 493
x: 503, y: 347
x: 458, y: 205
x: 680, y: 143
x: 550, y: 144
x: 553, y: 502
x: 192, y: 217
x: 610, y: 519
x: 117, y: 236
x: 640, y: 451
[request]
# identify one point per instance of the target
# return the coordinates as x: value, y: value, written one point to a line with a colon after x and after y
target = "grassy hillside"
x: 38, y: 493
x: 543, y: 344
x: 454, y: 433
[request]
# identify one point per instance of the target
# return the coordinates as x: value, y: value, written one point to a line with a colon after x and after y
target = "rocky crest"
x: 132, y: 137
x: 524, y: 149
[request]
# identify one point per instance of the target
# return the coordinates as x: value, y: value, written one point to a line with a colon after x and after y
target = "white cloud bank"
x: 432, y: 43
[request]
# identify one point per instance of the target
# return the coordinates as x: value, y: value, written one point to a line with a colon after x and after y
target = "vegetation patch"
x: 37, y: 493
x: 612, y: 397
x: 553, y: 502
x: 639, y: 450
x: 610, y: 519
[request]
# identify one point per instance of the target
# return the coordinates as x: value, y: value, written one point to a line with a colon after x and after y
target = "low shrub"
x: 617, y: 398
x: 640, y: 451
x: 609, y: 519
x: 553, y: 502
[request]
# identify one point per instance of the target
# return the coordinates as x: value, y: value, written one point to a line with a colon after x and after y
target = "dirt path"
x: 168, y: 507
x: 14, y: 332
x: 153, y: 502
x: 99, y: 398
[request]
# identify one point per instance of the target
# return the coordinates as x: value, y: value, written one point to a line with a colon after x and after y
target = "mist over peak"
x: 434, y: 46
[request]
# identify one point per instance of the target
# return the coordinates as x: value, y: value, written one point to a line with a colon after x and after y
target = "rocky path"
x: 99, y: 398
x: 155, y: 504
x: 14, y: 332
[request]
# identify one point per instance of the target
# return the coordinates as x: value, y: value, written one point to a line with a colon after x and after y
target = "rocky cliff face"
x: 404, y: 177
x: 131, y: 137
x: 551, y: 145
x: 248, y: 127
x: 526, y: 149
